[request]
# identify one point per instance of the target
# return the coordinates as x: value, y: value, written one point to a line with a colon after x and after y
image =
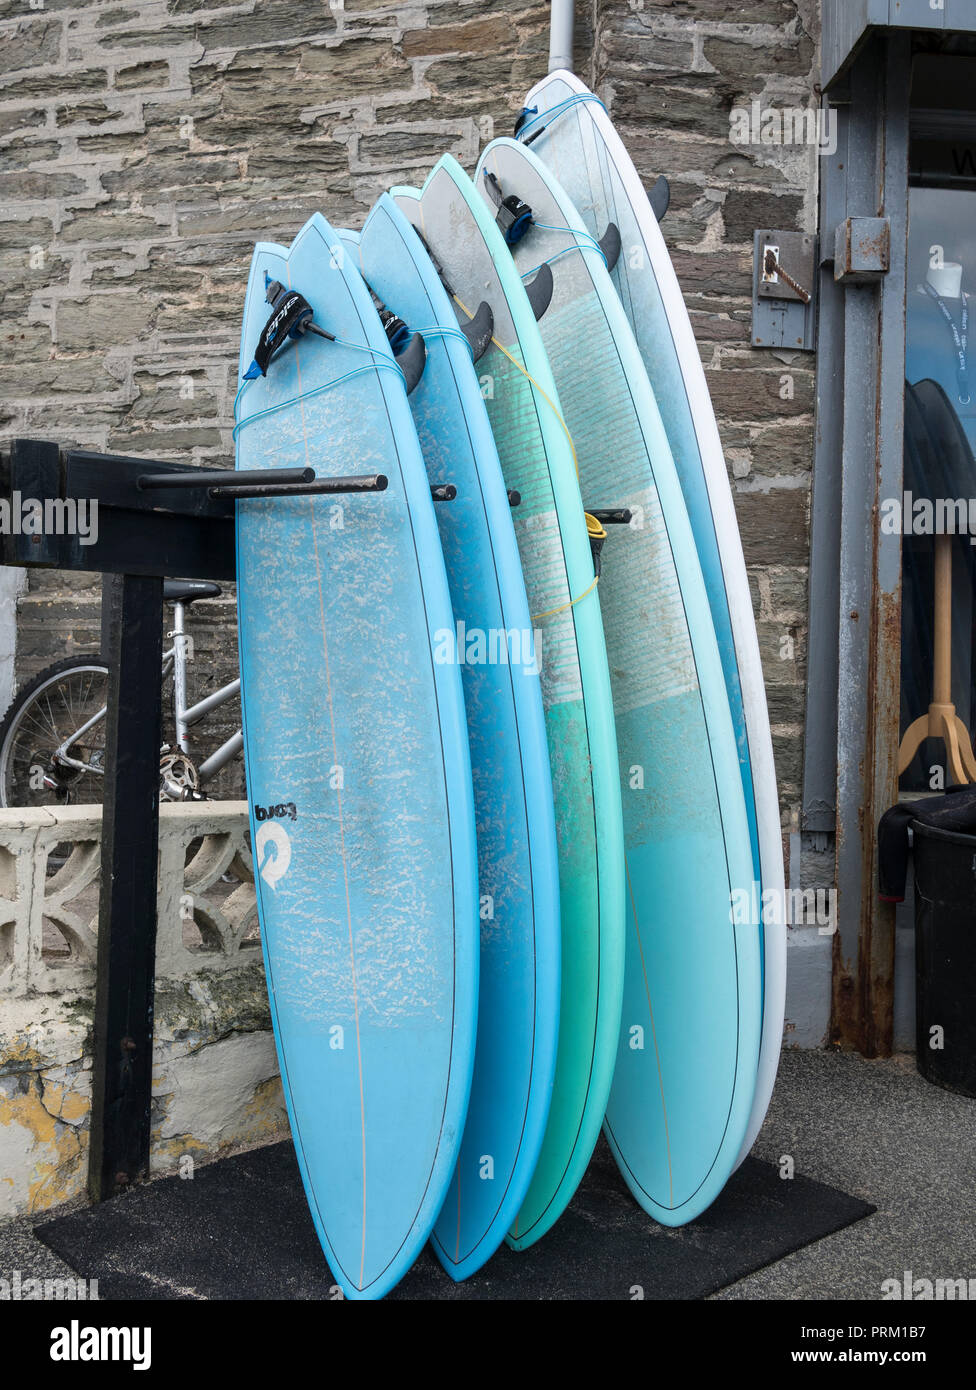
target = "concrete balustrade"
x: 215, y: 1081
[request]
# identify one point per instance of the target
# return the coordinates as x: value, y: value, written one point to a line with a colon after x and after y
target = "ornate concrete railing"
x: 49, y: 871
x: 215, y: 1080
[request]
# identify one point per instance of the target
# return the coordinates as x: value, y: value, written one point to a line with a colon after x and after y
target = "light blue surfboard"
x: 688, y: 1047
x: 359, y: 780
x: 537, y: 460
x: 570, y: 130
x: 494, y: 643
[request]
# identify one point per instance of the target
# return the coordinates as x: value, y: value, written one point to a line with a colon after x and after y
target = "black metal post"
x: 123, y: 1036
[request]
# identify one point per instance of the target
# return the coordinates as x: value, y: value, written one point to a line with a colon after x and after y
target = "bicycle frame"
x: 175, y: 661
x: 188, y: 715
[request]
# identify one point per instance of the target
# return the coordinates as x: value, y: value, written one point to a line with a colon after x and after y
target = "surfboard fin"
x: 659, y: 197
x: 540, y: 290
x: 409, y: 349
x: 479, y: 331
x: 610, y: 245
x: 412, y: 360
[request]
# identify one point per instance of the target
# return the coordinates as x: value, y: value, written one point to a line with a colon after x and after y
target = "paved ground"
x: 878, y: 1131
x: 873, y: 1129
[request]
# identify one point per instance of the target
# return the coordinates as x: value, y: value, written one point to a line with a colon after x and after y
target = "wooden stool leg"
x: 942, y: 721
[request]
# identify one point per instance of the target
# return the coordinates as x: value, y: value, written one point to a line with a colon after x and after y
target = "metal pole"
x: 561, y: 36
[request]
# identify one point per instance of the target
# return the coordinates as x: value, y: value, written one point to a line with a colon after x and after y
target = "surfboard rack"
x: 369, y: 482
x: 147, y: 521
x: 284, y: 482
x: 612, y: 516
x: 149, y: 481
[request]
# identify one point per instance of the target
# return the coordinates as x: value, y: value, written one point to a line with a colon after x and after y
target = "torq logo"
x: 272, y: 853
x: 283, y: 811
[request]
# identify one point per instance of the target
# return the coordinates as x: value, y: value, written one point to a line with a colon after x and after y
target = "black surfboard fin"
x: 540, y: 290
x: 409, y: 349
x: 610, y: 245
x: 412, y: 360
x: 659, y: 197
x: 479, y: 331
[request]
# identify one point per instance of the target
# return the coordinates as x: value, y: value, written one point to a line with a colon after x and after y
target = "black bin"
x: 945, y: 957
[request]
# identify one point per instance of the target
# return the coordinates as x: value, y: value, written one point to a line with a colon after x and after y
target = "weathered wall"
x: 145, y: 146
x: 143, y: 149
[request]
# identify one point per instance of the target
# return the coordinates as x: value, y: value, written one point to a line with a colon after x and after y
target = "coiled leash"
x: 513, y: 217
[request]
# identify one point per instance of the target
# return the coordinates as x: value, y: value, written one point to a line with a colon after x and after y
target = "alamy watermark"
x: 78, y: 1343
x: 496, y: 646
x: 923, y: 1290
x: 909, y: 515
x: 758, y: 124
x: 786, y: 907
x: 14, y: 1288
x: 54, y: 516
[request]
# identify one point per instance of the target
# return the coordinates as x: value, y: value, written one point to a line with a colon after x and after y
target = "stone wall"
x: 144, y: 147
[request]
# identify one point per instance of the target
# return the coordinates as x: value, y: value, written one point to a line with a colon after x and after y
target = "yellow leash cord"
x: 594, y: 529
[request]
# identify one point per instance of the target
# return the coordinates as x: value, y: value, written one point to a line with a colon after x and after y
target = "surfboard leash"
x: 594, y: 528
x: 531, y: 116
x: 384, y: 364
x: 590, y: 244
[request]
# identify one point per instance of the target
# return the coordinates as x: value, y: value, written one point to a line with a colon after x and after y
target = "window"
x: 939, y: 503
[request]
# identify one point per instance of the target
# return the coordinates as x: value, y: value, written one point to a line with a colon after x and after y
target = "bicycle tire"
x: 14, y: 721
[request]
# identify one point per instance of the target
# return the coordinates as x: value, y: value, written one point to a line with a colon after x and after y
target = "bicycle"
x: 52, y: 738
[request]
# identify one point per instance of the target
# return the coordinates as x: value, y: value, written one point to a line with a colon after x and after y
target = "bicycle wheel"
x: 44, y: 716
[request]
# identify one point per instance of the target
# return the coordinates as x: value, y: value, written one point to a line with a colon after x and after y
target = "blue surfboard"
x: 494, y: 644
x: 358, y: 773
x: 688, y: 1048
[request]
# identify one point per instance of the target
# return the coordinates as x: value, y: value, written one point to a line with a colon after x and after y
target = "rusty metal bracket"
x: 784, y: 289
x: 862, y: 250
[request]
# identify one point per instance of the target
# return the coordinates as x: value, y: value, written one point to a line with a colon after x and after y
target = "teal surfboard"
x: 689, y: 1040
x: 537, y: 461
x: 358, y: 774
x: 493, y: 642
x: 571, y: 131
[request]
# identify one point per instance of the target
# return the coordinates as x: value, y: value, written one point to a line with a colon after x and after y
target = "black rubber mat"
x: 240, y: 1229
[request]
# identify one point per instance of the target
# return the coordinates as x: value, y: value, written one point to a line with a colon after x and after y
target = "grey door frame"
x: 854, y: 654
